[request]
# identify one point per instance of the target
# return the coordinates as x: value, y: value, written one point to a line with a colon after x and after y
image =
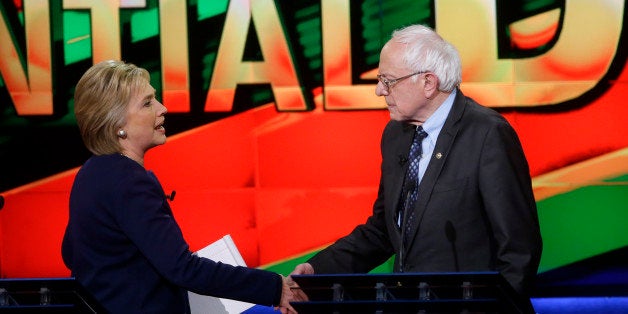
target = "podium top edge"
x: 327, y: 280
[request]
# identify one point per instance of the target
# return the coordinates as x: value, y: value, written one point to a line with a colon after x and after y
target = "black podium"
x: 459, y: 292
x: 46, y: 295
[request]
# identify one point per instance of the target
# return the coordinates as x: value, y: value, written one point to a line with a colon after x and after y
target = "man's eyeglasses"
x: 392, y: 82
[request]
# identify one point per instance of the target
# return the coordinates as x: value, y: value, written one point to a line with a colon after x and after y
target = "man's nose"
x: 380, y: 89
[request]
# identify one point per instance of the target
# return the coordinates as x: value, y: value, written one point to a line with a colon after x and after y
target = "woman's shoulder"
x: 117, y: 160
x: 114, y: 166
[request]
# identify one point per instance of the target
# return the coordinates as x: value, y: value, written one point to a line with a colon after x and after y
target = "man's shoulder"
x: 478, y: 112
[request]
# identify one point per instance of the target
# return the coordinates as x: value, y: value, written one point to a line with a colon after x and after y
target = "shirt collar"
x: 435, y: 122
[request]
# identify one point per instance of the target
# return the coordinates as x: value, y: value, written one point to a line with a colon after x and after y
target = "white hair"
x: 428, y: 51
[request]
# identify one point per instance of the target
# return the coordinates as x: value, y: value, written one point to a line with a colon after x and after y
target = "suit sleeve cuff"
x: 279, y: 289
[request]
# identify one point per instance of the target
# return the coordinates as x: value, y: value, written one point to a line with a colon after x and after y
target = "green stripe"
x: 286, y: 267
x: 583, y: 223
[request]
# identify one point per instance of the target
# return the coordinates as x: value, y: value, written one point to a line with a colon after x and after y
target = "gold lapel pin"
x: 439, y: 155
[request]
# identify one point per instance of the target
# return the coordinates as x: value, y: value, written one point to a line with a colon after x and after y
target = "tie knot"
x: 420, y: 133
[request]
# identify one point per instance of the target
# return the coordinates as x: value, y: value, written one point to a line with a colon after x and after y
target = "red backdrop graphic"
x: 301, y: 169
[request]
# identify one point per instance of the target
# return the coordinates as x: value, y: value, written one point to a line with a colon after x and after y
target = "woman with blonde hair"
x: 122, y: 242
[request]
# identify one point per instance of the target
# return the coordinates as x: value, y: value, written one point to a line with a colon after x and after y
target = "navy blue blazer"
x: 124, y: 246
x: 475, y: 210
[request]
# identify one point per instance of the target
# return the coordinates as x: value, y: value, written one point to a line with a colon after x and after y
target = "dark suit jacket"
x: 124, y: 246
x: 475, y: 209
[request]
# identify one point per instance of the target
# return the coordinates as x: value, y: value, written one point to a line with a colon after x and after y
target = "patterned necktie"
x: 410, y: 189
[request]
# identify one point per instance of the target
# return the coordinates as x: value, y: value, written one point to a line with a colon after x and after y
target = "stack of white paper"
x: 223, y: 250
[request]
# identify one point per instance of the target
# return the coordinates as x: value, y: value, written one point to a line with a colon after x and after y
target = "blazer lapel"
x: 445, y: 139
x: 402, y: 149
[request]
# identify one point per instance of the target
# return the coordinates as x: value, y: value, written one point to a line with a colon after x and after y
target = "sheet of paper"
x: 223, y: 250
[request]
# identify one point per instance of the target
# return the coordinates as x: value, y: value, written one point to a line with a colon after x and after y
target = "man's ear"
x: 430, y: 83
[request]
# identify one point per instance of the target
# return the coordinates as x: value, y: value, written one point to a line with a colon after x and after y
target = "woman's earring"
x: 122, y: 134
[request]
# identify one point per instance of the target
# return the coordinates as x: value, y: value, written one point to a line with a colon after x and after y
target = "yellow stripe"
x: 586, y: 173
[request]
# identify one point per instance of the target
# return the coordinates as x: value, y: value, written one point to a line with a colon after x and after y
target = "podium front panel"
x: 451, y: 292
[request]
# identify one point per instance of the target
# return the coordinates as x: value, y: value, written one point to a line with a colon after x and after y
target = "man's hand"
x: 301, y: 269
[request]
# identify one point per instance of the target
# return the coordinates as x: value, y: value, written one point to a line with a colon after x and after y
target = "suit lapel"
x: 402, y: 149
x: 444, y: 142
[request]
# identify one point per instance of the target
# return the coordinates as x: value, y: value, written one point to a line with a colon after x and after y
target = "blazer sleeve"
x: 145, y: 216
x: 507, y: 194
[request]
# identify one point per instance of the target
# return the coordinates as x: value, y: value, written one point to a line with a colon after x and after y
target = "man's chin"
x: 395, y: 116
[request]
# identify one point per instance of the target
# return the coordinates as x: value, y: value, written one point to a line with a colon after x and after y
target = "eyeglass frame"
x: 389, y: 84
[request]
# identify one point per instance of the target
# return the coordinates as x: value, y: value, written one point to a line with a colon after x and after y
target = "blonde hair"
x: 101, y: 98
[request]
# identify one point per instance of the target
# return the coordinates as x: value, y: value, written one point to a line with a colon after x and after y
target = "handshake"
x: 291, y: 292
